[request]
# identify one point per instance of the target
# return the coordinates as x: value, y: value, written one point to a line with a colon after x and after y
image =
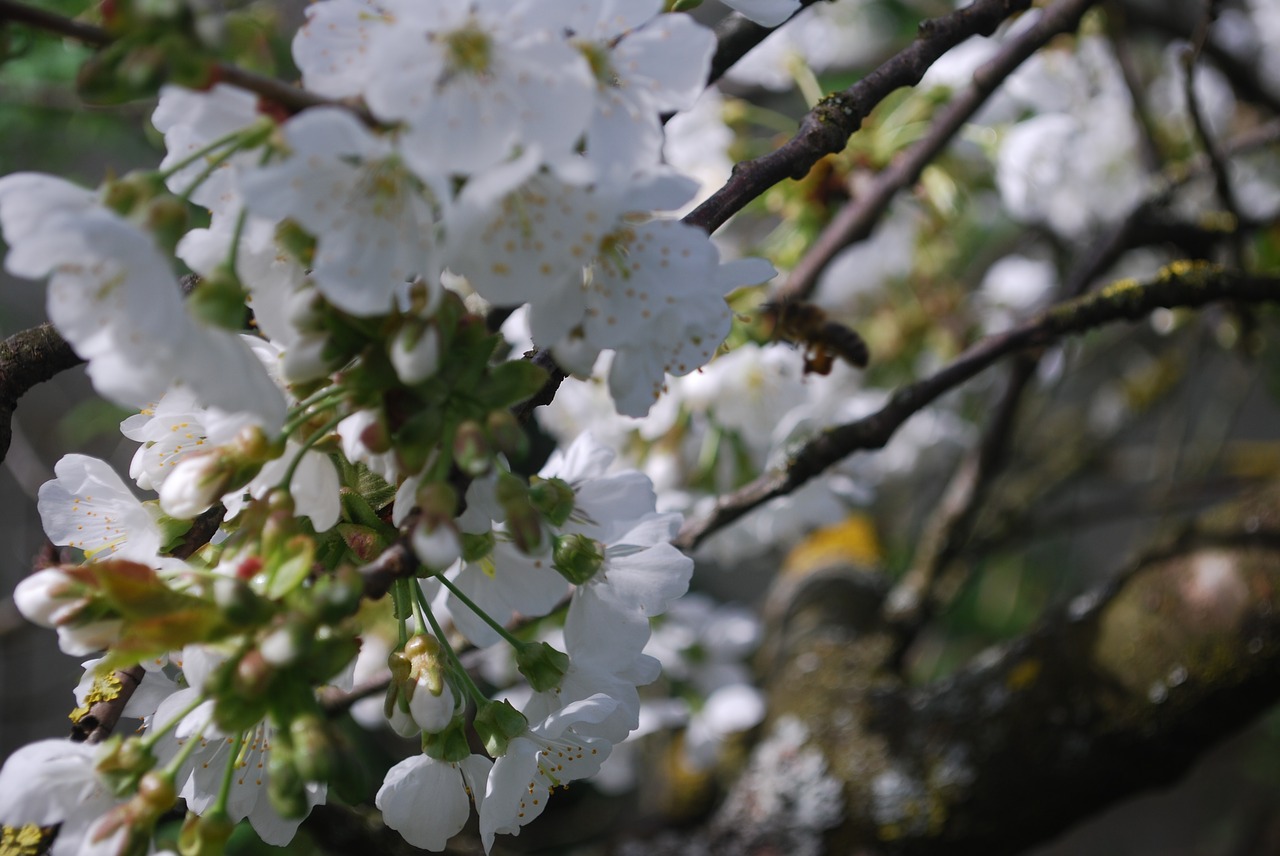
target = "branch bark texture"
x: 1181, y: 284
x: 1120, y: 689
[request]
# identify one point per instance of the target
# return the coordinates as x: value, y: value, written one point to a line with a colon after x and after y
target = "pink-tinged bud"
x: 471, y: 450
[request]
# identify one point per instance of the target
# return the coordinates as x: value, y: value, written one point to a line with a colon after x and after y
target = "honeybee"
x: 803, y: 323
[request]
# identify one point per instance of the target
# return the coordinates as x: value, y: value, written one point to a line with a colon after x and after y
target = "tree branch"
x: 292, y: 98
x: 26, y: 359
x: 1119, y: 690
x: 826, y: 129
x: 736, y: 35
x: 857, y: 219
x: 1182, y: 284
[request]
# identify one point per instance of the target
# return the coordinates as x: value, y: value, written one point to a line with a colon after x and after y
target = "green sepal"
x: 207, y: 835
x: 449, y: 745
x: 542, y: 665
x: 366, y: 543
x: 289, y: 565
x: 496, y: 723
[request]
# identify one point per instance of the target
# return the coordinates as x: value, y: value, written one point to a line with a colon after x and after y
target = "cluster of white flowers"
x: 510, y: 152
x: 328, y: 396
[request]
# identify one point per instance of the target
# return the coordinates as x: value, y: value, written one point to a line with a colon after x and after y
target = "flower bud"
x: 507, y: 435
x: 286, y: 788
x: 253, y: 675
x: 436, y: 547
x: 315, y: 753
x: 438, y: 501
x: 415, y: 352
x: 577, y: 557
x: 523, y: 523
x: 167, y: 218
x: 219, y: 299
x: 50, y: 597
x: 554, y: 499
x: 205, y: 836
x: 471, y: 451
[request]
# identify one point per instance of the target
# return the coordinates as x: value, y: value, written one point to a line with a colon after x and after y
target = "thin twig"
x: 1217, y: 163
x: 1136, y: 228
x: 1179, y: 285
x: 827, y: 127
x: 292, y: 98
x: 736, y: 35
x: 909, y: 604
x: 856, y: 221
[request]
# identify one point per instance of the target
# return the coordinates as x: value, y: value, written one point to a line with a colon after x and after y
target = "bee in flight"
x: 823, y: 339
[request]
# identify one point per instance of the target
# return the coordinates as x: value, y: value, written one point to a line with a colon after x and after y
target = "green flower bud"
x: 167, y: 218
x: 577, y: 557
x: 219, y: 299
x: 497, y: 722
x: 297, y: 242
x: 286, y: 788
x: 122, y: 763
x: 205, y: 836
x: 428, y: 663
x: 554, y: 498
x: 524, y: 523
x: 542, y: 665
x: 157, y: 792
x: 471, y: 450
x: 476, y: 546
x: 508, y: 436
x: 438, y: 501
x: 315, y: 753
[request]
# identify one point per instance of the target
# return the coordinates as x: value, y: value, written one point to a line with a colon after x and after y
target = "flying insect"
x: 805, y: 324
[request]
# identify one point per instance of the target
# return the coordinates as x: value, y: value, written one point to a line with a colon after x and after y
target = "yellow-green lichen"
x: 104, y: 688
x: 25, y: 840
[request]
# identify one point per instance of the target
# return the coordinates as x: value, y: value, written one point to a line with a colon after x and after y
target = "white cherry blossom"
x: 430, y: 822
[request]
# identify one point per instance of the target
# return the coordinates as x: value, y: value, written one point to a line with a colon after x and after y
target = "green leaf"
x: 511, y: 383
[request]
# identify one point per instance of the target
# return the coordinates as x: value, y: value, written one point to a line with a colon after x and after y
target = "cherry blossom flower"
x: 430, y: 823
x: 375, y: 223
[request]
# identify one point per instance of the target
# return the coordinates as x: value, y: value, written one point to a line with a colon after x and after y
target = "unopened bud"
x: 167, y: 218
x: 437, y: 547
x: 286, y: 787
x: 315, y: 754
x: 205, y: 836
x: 415, y: 352
x: 577, y: 557
x: 219, y: 299
x: 253, y: 675
x: 297, y: 242
x: 471, y: 449
x: 506, y: 433
x: 553, y: 498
